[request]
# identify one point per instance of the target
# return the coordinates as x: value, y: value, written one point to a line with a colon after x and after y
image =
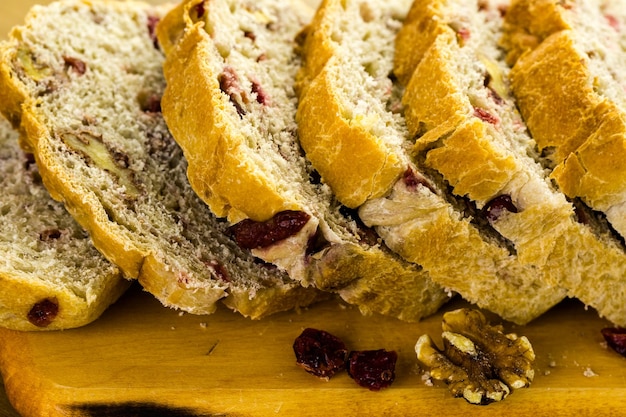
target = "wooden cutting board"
x: 141, y: 359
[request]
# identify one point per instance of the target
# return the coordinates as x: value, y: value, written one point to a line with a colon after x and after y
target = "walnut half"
x: 478, y: 361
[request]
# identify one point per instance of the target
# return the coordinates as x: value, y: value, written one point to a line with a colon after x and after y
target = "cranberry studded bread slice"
x: 467, y: 130
x: 350, y: 105
x: 230, y: 104
x: 581, y: 129
x: 51, y: 276
x: 83, y: 81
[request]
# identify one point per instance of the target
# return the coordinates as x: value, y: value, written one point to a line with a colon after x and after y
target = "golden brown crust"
x: 435, y: 104
x: 529, y: 22
x: 595, y: 170
x: 566, y: 120
x: 470, y: 163
x: 585, y: 132
x: 356, y: 163
x: 436, y: 84
x: 420, y: 29
x: 171, y: 27
x: 220, y: 169
x: 317, y: 46
x: 350, y: 158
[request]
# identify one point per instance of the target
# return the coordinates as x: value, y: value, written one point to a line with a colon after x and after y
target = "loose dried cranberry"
x: 615, y: 338
x: 250, y: 234
x: 44, y: 312
x: 496, y: 207
x: 373, y: 369
x: 76, y: 64
x: 485, y: 116
x: 320, y: 353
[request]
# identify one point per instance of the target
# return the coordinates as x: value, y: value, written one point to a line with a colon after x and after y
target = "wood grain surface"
x: 143, y: 359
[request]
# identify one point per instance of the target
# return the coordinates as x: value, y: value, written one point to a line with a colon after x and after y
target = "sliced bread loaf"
x: 51, y: 276
x: 351, y: 103
x: 230, y: 104
x: 581, y: 129
x: 486, y: 155
x: 83, y: 80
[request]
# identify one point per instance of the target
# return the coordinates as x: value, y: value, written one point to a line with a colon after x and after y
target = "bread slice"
x: 51, y: 275
x: 578, y: 44
x: 487, y: 155
x: 230, y: 104
x: 83, y: 81
x: 352, y: 101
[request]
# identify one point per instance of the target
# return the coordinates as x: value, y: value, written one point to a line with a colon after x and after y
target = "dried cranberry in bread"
x: 580, y: 129
x: 51, y: 276
x: 83, y: 81
x: 230, y: 104
x: 351, y: 101
x: 467, y: 129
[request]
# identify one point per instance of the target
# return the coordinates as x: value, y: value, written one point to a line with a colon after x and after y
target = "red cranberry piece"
x: 320, y: 353
x: 44, y: 312
x: 219, y: 270
x: 616, y: 339
x: 230, y: 85
x: 50, y: 235
x: 412, y: 180
x: 463, y: 34
x: 29, y: 161
x: 151, y: 104
x: 261, y: 95
x: 153, y: 21
x: 496, y: 207
x: 485, y: 116
x: 581, y: 214
x: 613, y: 22
x: 250, y: 234
x: 75, y: 64
x: 373, y: 369
x: 200, y: 9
